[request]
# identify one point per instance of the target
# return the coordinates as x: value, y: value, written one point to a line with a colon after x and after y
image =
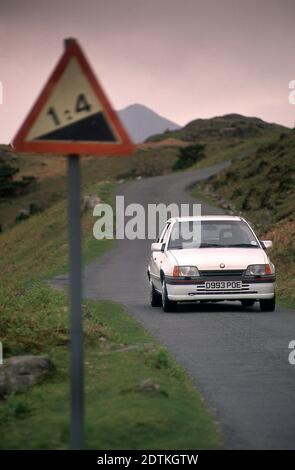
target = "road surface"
x: 237, y: 358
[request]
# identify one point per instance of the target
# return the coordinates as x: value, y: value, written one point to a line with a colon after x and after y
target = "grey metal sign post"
x: 76, y: 323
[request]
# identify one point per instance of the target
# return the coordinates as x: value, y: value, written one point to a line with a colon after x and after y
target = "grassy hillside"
x: 225, y: 137
x: 262, y: 185
x: 262, y: 189
x: 234, y: 127
x: 51, y: 174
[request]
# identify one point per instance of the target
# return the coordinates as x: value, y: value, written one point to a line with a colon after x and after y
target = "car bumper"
x: 191, y: 292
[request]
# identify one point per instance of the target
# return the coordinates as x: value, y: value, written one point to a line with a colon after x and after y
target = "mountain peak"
x: 142, y: 122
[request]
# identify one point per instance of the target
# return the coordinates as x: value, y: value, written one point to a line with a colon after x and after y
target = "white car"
x: 210, y: 258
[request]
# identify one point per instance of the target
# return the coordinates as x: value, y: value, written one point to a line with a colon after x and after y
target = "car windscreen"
x: 210, y: 234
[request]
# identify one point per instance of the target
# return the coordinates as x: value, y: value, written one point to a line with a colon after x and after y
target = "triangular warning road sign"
x: 72, y: 114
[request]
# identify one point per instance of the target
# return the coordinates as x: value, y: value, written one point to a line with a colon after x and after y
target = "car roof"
x: 206, y: 217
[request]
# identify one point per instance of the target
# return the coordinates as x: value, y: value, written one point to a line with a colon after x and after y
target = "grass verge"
x: 121, y: 413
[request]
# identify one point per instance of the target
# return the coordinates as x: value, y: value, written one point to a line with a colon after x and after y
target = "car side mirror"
x: 156, y: 246
x: 266, y: 244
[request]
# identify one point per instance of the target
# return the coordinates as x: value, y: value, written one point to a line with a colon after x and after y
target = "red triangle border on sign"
x: 124, y: 147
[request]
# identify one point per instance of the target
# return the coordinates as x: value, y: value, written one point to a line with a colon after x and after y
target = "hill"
x: 263, y: 185
x: 141, y: 122
x: 229, y: 126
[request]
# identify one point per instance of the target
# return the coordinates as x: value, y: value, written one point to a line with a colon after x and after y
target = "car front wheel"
x: 168, y: 305
x: 268, y: 305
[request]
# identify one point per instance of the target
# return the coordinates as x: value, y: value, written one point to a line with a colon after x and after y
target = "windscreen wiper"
x: 209, y: 245
x: 242, y: 245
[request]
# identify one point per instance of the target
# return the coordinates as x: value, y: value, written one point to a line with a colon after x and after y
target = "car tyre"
x: 247, y: 303
x: 268, y: 305
x: 155, y: 297
x: 167, y: 305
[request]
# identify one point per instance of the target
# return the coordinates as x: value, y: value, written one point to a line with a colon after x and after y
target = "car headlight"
x: 260, y: 269
x: 185, y: 271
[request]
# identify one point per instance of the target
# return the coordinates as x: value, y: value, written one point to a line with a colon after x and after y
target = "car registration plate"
x: 223, y: 285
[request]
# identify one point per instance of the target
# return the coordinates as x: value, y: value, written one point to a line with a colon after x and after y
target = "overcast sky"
x: 185, y: 59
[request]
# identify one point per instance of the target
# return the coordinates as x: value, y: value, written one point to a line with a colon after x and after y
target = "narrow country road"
x: 237, y: 358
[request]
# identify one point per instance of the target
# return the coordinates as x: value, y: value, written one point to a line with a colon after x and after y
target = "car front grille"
x: 222, y: 274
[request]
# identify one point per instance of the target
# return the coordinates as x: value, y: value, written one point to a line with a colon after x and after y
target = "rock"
x: 148, y: 386
x: 20, y: 372
x: 89, y: 202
